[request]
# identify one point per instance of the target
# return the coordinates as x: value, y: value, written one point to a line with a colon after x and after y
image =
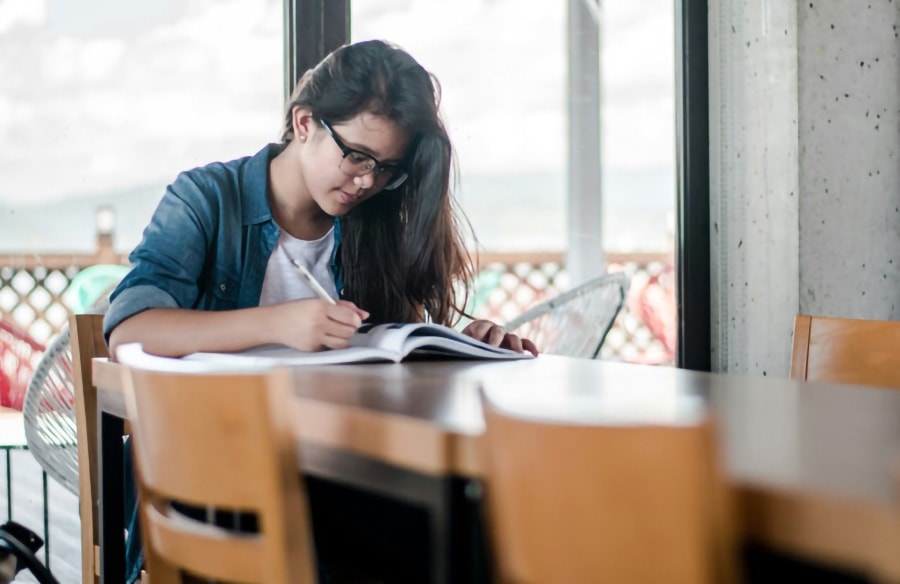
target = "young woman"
x: 358, y: 192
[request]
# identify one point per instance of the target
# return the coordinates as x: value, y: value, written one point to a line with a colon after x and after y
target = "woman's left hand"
x: 496, y: 335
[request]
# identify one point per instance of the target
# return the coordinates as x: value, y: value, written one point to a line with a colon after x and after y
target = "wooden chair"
x: 87, y: 342
x: 591, y: 503
x: 220, y: 441
x: 844, y: 350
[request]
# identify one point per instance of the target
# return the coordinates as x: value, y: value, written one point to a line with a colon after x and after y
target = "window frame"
x: 692, y: 250
x: 312, y: 29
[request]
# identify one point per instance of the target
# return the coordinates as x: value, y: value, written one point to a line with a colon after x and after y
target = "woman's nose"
x: 365, y: 181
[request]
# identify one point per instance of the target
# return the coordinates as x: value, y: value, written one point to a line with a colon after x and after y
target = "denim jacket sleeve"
x: 208, y: 243
x: 168, y: 263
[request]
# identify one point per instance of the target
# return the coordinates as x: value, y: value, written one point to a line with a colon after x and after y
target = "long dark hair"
x: 402, y: 250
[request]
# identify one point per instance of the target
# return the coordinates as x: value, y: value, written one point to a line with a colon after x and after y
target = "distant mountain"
x: 508, y: 212
x: 69, y: 225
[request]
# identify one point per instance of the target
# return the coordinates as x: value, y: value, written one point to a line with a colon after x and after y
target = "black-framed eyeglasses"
x: 355, y: 163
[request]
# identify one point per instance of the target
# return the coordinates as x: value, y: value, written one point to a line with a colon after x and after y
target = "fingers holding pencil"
x: 363, y: 314
x: 312, y: 324
x: 326, y: 322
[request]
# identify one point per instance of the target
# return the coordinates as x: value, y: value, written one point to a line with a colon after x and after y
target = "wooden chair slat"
x: 845, y: 350
x: 87, y: 342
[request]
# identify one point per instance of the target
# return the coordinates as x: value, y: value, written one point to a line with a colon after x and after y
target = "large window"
x: 502, y: 72
x: 503, y: 66
x: 103, y: 102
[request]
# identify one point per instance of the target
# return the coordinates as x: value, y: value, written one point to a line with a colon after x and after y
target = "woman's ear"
x: 303, y: 122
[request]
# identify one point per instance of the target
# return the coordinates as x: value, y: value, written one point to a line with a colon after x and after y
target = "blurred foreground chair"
x: 845, y: 350
x: 574, y: 323
x: 623, y: 502
x: 222, y: 442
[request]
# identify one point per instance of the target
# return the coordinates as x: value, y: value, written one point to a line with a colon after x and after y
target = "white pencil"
x: 313, y: 283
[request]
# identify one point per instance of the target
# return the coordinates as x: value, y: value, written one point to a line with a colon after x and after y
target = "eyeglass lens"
x: 359, y: 164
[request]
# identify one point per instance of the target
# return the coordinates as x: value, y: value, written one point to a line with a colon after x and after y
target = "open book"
x: 373, y: 343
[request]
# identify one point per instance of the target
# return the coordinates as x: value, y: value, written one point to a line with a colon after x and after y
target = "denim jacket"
x: 208, y: 243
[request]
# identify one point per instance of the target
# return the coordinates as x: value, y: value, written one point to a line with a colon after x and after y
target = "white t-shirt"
x: 283, y: 282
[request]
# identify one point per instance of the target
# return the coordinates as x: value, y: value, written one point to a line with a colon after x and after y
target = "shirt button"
x: 223, y: 287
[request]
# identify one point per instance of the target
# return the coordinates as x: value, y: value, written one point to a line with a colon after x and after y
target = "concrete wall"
x: 805, y: 171
x: 754, y: 183
x: 849, y: 80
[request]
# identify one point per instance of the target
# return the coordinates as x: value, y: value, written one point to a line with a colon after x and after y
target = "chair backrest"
x: 845, y: 350
x: 592, y: 503
x: 574, y: 323
x: 220, y: 441
x: 49, y: 414
x: 49, y: 409
x: 87, y: 342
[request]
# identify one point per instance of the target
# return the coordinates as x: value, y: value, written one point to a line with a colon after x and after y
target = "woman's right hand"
x: 312, y: 324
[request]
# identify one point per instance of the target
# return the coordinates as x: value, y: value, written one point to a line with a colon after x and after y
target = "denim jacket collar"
x: 255, y: 185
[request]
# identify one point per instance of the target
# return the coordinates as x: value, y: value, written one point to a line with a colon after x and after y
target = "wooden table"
x: 812, y: 464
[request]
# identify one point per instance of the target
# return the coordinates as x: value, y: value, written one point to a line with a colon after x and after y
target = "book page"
x: 389, y: 342
x: 389, y: 336
x: 436, y: 331
x: 407, y: 338
x: 433, y: 345
x: 275, y: 355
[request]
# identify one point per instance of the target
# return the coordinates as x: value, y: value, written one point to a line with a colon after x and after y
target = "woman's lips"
x: 349, y: 199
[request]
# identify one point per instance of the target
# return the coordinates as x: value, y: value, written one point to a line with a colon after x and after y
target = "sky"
x: 127, y: 92
x: 105, y: 96
x: 505, y: 76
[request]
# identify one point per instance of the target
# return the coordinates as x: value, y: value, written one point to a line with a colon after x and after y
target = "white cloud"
x: 60, y: 60
x: 74, y: 60
x: 99, y: 58
x: 22, y: 12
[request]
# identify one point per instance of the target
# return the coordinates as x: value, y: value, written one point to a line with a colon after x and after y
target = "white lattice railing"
x: 35, y: 294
